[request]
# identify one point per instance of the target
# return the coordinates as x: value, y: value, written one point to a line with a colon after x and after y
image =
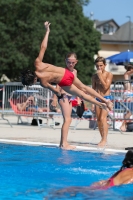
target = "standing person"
x: 101, y: 82
x: 66, y: 103
x: 128, y: 90
x: 48, y: 73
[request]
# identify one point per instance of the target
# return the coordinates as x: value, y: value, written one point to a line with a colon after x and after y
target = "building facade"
x: 114, y: 39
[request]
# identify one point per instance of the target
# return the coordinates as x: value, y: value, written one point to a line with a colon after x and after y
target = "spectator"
x: 101, y: 82
x: 28, y: 104
x: 128, y: 90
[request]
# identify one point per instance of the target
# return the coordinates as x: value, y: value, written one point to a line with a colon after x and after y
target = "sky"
x: 110, y: 9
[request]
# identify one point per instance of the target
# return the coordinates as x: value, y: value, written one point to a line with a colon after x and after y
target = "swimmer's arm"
x: 52, y: 88
x: 106, y: 84
x: 43, y: 44
x: 98, y: 185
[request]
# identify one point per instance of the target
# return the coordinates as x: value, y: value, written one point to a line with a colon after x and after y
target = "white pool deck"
x: 83, y: 137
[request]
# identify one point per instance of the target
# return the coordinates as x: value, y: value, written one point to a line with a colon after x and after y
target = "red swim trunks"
x: 67, y: 79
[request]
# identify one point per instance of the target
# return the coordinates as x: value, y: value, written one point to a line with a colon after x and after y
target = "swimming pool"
x: 37, y: 172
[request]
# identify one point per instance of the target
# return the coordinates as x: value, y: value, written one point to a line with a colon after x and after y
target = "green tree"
x: 22, y: 31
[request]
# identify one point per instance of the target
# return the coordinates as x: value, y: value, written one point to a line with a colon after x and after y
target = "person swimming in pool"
x: 48, y: 73
x: 101, y: 82
x: 121, y: 177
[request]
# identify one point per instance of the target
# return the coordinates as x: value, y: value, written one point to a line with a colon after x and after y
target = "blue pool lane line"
x: 57, y: 145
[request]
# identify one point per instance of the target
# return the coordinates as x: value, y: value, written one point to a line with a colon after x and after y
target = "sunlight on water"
x: 38, y: 172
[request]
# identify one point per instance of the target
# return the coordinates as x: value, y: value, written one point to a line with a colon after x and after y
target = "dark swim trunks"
x: 67, y: 79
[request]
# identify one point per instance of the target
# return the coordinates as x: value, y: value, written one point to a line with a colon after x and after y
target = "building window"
x: 107, y: 29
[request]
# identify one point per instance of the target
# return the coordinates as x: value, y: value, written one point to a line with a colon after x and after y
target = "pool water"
x: 38, y: 172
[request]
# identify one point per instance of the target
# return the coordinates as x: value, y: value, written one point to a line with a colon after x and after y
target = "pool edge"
x: 82, y: 148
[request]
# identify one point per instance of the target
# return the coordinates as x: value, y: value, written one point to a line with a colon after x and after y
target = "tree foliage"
x: 22, y: 31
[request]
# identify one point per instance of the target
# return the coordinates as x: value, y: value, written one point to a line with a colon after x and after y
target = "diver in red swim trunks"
x: 48, y: 73
x: 67, y: 79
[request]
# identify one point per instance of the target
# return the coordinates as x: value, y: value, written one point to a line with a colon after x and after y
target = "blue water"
x: 38, y: 172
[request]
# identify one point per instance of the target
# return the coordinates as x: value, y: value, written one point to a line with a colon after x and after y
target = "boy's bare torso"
x: 48, y: 73
x: 98, y: 86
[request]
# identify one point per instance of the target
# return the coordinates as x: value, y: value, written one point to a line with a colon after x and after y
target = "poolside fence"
x: 32, y: 101
x: 14, y: 95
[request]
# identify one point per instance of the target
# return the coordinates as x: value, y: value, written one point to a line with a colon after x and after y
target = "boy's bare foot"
x: 123, y: 128
x: 67, y: 147
x: 102, y: 143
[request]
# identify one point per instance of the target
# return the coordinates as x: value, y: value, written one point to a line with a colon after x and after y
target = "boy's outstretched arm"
x: 43, y: 44
x: 52, y: 88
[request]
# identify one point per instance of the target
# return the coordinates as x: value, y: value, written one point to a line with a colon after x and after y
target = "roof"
x: 100, y: 23
x: 121, y: 35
